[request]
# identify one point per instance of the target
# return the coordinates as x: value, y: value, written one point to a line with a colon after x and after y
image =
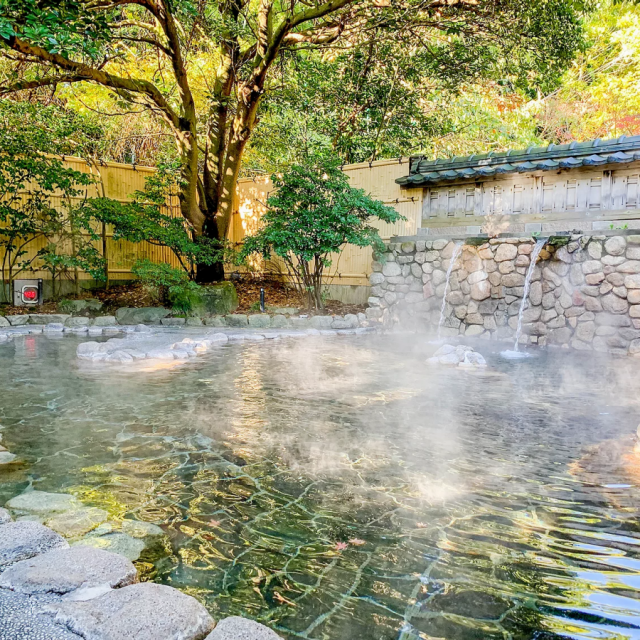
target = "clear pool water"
x: 341, y: 488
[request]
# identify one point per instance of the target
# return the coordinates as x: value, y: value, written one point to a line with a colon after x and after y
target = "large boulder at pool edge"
x: 217, y: 299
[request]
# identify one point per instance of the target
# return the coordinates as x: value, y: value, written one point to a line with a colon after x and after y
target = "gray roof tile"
x: 554, y: 156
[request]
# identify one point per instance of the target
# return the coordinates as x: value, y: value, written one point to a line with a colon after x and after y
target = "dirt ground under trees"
x: 248, y: 288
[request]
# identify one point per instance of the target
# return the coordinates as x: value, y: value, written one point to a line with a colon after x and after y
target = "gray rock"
x: 506, y: 252
x: 23, y: 540
x: 237, y: 320
x: 350, y: 320
x: 144, y: 315
x: 279, y: 322
x: 144, y: 611
x: 77, y: 322
x: 5, y: 516
x: 236, y: 628
x: 615, y: 246
x: 121, y: 543
x: 64, y: 570
x: 173, y: 322
x: 614, y: 304
x: 215, y: 321
x: 105, y: 321
x: 194, y: 322
x: 54, y: 327
x: 7, y: 458
x: 481, y: 290
x: 21, y: 619
x: 259, y: 320
x: 161, y: 354
x: 71, y: 524
x: 4, y: 322
x: 217, y: 299
x: 321, y: 322
x: 48, y: 318
x: 43, y: 503
x: 391, y: 269
x: 80, y: 306
x: 17, y: 321
x: 141, y: 530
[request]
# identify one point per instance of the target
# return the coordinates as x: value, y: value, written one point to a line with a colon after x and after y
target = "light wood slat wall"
x: 352, y: 266
x: 117, y: 181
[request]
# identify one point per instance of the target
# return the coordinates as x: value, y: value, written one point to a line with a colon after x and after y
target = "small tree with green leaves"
x: 31, y: 185
x: 312, y: 214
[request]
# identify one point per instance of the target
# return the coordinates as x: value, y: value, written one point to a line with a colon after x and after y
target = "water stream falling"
x: 456, y: 252
x: 525, y: 294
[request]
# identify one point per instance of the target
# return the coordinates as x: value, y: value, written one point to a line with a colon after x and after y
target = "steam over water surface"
x: 343, y: 489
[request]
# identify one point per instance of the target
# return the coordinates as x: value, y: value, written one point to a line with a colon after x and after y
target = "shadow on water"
x: 342, y: 488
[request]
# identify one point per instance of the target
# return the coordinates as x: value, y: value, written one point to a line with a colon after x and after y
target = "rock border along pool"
x: 584, y: 293
x: 50, y: 590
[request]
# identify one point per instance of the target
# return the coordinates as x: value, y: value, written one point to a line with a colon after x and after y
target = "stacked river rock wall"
x: 585, y: 290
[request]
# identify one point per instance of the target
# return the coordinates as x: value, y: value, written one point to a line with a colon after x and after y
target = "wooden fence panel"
x: 351, y: 266
x: 117, y: 181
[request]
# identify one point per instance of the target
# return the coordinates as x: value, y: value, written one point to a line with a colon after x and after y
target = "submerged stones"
x: 144, y: 611
x: 77, y: 522
x: 117, y: 542
x: 50, y: 591
x: 237, y: 628
x: 461, y: 355
x: 42, y: 503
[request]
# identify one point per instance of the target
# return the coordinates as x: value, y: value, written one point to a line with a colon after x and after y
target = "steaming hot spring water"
x: 341, y: 488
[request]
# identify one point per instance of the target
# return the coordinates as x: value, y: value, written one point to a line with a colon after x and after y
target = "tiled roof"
x: 556, y: 156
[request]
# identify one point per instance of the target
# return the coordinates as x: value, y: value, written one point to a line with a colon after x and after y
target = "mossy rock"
x: 217, y: 299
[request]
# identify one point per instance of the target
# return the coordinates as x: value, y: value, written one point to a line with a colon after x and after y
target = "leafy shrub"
x: 171, y: 285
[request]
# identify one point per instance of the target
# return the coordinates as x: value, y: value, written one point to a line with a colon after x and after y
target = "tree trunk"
x: 207, y: 273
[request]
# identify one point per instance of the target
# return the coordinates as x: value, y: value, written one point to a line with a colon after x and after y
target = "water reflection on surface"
x: 342, y: 488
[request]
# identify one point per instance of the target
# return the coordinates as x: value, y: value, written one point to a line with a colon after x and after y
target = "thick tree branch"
x: 96, y: 75
x: 26, y: 85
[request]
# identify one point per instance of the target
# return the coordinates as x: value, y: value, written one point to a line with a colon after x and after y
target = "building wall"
x: 586, y: 199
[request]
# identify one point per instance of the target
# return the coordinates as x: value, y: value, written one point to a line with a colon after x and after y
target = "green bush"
x: 171, y: 285
x: 311, y: 215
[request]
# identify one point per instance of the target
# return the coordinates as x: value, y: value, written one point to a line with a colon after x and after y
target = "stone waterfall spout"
x: 527, y: 285
x: 456, y: 252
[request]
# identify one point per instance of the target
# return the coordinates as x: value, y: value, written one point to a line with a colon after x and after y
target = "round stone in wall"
x: 615, y: 246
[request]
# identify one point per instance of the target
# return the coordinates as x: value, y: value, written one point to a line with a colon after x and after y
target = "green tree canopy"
x: 203, y: 68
